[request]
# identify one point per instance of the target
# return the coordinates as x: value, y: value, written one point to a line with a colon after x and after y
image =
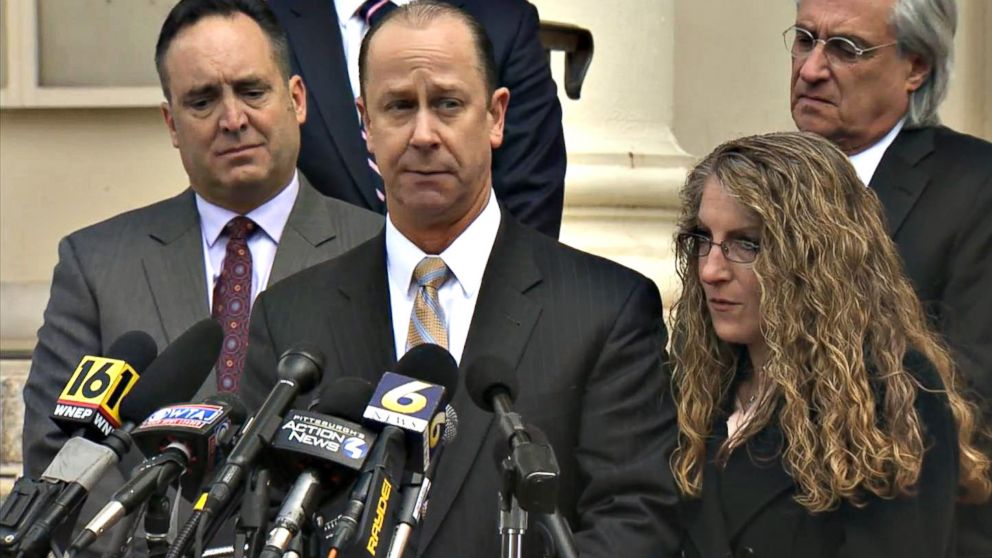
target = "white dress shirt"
x: 353, y: 30
x: 271, y: 219
x: 466, y: 258
x: 867, y: 161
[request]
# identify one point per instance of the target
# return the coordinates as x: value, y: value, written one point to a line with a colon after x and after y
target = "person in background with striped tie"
x: 528, y: 169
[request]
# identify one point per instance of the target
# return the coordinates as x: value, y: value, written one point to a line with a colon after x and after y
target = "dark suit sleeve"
x: 70, y: 330
x: 529, y: 168
x: 966, y: 298
x: 921, y: 524
x: 626, y: 436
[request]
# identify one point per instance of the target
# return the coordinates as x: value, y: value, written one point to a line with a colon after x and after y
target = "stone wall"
x: 12, y: 375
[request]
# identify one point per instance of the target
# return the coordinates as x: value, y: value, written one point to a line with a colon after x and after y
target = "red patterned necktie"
x: 232, y: 302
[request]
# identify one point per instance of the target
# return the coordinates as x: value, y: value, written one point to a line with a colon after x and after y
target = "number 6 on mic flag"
x: 411, y: 405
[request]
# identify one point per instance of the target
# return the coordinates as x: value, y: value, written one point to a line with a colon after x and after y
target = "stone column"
x: 624, y: 164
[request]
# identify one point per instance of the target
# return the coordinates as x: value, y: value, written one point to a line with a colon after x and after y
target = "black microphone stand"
x: 512, y: 518
x: 557, y: 535
x: 529, y: 483
x: 158, y: 515
x: 253, y: 519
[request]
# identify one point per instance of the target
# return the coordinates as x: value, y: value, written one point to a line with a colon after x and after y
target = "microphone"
x: 178, y: 440
x: 328, y: 444
x: 172, y: 377
x: 299, y: 370
x: 413, y: 500
x: 412, y: 397
x: 406, y: 407
x: 90, y: 403
x: 492, y: 386
x: 88, y: 407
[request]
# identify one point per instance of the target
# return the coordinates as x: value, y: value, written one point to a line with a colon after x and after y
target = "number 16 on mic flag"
x: 92, y: 398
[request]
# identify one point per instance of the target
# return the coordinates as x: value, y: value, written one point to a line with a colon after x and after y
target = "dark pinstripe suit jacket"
x: 587, y: 340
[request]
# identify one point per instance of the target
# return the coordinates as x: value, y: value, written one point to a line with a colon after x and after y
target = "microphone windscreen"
x: 450, y: 424
x: 488, y: 375
x: 302, y: 365
x: 136, y: 348
x: 177, y: 374
x: 344, y: 398
x: 430, y: 363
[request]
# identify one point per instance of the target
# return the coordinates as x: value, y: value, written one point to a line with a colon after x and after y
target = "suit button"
x: 748, y: 552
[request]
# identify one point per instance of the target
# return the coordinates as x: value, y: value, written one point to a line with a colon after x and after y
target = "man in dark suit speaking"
x: 869, y: 75
x: 529, y: 169
x: 233, y: 110
x: 585, y: 336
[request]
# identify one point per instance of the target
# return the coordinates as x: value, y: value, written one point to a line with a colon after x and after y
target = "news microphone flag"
x: 324, y: 437
x: 92, y: 398
x: 413, y: 406
x: 202, y: 427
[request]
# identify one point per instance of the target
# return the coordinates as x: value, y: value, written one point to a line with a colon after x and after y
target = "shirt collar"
x: 866, y: 162
x: 347, y: 9
x: 271, y: 216
x: 466, y: 257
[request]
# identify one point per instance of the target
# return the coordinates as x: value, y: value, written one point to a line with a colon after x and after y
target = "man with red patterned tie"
x: 248, y: 219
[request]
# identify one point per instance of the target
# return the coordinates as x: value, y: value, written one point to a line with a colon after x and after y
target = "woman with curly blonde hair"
x: 818, y: 411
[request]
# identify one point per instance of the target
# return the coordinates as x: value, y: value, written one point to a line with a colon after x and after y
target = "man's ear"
x: 497, y: 115
x: 363, y: 111
x: 298, y: 96
x: 919, y: 72
x: 170, y: 123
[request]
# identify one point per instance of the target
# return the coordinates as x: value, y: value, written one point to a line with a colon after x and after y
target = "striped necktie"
x: 427, y: 322
x: 372, y: 11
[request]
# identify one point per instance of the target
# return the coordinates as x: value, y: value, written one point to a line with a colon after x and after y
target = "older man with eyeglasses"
x: 869, y: 75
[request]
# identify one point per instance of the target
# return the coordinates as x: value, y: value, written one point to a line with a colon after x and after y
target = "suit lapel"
x: 753, y: 477
x: 318, y: 48
x: 898, y: 180
x: 703, y: 516
x: 307, y: 228
x: 359, y: 317
x: 174, y: 266
x: 501, y: 324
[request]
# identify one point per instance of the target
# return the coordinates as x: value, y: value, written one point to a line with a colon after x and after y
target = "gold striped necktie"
x: 427, y: 323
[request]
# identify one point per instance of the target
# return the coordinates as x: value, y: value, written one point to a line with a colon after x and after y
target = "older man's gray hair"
x: 926, y: 28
